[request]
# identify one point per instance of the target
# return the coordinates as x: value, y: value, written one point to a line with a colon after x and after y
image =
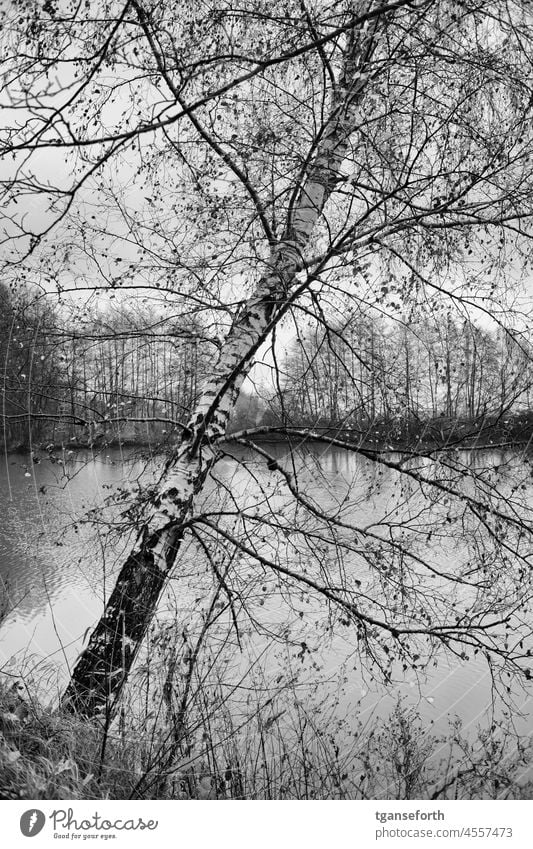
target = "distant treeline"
x: 436, y: 381
x: 81, y: 375
x: 124, y: 373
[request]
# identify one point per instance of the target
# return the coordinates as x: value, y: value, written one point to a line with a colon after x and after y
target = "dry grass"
x: 273, y: 755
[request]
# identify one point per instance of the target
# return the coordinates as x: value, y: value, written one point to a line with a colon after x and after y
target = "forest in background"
x: 124, y: 374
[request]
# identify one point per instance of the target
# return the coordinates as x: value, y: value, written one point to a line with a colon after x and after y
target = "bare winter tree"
x: 270, y: 163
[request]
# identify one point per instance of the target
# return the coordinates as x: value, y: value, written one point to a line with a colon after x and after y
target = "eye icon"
x: 32, y: 822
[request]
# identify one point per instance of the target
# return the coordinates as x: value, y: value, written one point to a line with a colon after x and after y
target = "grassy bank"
x: 48, y: 754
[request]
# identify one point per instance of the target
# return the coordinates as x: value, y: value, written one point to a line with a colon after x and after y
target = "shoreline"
x: 483, y: 439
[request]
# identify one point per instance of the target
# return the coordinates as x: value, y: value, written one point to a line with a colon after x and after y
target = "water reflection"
x: 56, y: 570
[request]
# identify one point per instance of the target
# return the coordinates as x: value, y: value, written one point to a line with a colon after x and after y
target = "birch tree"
x: 250, y: 160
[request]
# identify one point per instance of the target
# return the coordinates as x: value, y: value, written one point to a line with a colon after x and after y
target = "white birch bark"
x: 103, y: 667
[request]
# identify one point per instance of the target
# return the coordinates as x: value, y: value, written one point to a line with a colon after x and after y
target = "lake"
x: 56, y: 569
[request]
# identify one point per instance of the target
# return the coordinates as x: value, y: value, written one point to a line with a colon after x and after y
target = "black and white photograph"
x: 266, y: 404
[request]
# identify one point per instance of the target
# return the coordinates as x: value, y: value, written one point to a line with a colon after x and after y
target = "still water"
x: 57, y: 569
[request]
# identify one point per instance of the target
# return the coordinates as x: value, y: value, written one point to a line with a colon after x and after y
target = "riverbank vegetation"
x: 284, y: 748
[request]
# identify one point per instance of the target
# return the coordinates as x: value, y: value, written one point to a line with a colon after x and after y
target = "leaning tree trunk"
x: 103, y: 668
